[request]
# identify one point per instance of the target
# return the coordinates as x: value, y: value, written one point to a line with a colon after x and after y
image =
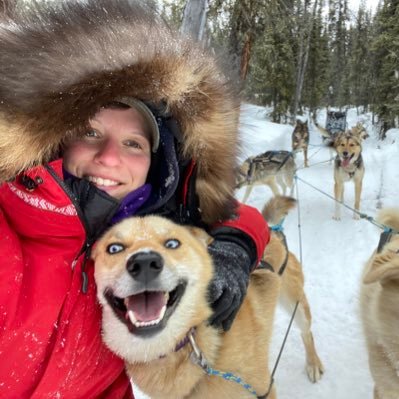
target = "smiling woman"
x: 106, y: 114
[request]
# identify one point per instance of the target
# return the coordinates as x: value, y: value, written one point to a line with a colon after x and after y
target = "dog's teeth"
x: 163, y: 310
x: 132, y: 317
x: 137, y: 323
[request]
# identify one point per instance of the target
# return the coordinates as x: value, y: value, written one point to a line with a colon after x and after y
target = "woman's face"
x: 114, y: 153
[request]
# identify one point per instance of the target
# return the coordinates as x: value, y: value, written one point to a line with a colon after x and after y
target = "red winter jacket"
x: 50, y: 342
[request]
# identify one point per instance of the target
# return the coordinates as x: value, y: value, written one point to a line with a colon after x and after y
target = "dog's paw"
x: 315, y: 371
x: 356, y: 216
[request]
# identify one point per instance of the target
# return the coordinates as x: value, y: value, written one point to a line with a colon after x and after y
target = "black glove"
x: 226, y: 291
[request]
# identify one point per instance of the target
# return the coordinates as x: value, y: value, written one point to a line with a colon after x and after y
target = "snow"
x: 333, y: 254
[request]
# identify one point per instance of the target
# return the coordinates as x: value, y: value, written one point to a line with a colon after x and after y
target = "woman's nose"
x: 108, y: 153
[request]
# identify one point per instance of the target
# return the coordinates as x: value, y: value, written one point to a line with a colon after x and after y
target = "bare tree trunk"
x: 246, y: 55
x: 194, y: 18
x: 303, y: 56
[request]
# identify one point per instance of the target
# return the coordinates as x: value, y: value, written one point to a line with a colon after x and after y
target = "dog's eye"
x: 115, y: 248
x: 172, y: 244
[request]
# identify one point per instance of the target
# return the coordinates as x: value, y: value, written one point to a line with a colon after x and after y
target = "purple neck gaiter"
x: 131, y: 203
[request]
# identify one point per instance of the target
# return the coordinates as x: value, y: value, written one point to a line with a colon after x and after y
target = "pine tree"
x: 316, y: 78
x: 337, y: 32
x: 271, y: 80
x: 386, y: 54
x: 306, y: 21
x: 360, y: 62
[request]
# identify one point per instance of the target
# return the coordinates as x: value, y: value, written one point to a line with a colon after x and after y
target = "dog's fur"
x: 360, y: 131
x: 185, y: 265
x: 348, y: 166
x: 300, y: 139
x: 379, y: 309
x: 272, y: 168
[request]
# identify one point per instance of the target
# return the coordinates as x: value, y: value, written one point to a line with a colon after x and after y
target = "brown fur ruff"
x: 60, y: 65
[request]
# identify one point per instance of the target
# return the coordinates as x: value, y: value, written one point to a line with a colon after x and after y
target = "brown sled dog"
x: 292, y: 291
x: 272, y: 168
x: 300, y: 139
x: 379, y: 309
x: 158, y: 324
x: 348, y: 166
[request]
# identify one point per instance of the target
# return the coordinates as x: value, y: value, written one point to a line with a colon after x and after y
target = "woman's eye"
x: 172, y: 243
x: 91, y: 134
x: 115, y: 248
x: 132, y: 144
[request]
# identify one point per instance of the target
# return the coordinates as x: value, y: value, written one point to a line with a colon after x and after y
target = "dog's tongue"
x: 146, y: 306
x: 345, y: 162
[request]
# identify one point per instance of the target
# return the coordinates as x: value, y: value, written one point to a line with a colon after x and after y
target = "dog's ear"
x: 201, y: 235
x: 94, y: 251
x: 384, y: 266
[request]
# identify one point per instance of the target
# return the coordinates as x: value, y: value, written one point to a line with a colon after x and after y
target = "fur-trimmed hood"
x: 59, y: 65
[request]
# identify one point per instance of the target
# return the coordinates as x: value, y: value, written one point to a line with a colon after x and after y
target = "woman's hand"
x: 227, y: 290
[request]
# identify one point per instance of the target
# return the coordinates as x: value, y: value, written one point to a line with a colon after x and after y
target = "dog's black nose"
x: 145, y: 266
x: 345, y: 153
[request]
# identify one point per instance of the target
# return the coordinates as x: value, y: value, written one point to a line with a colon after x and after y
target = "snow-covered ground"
x: 333, y: 255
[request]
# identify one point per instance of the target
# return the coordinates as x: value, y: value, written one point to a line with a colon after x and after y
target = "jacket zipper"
x: 86, y: 248
x: 87, y: 252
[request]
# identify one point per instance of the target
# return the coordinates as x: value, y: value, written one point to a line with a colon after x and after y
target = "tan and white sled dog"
x: 300, y: 139
x: 379, y: 309
x: 152, y: 277
x: 348, y: 166
x: 285, y: 263
x: 272, y: 168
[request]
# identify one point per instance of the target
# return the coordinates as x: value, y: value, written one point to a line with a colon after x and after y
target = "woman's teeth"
x: 99, y: 181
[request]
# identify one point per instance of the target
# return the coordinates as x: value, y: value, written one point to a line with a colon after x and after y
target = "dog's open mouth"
x: 346, y: 160
x: 147, y: 312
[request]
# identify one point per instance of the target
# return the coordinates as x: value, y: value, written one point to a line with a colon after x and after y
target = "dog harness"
x: 278, y: 228
x: 385, y: 238
x: 267, y: 157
